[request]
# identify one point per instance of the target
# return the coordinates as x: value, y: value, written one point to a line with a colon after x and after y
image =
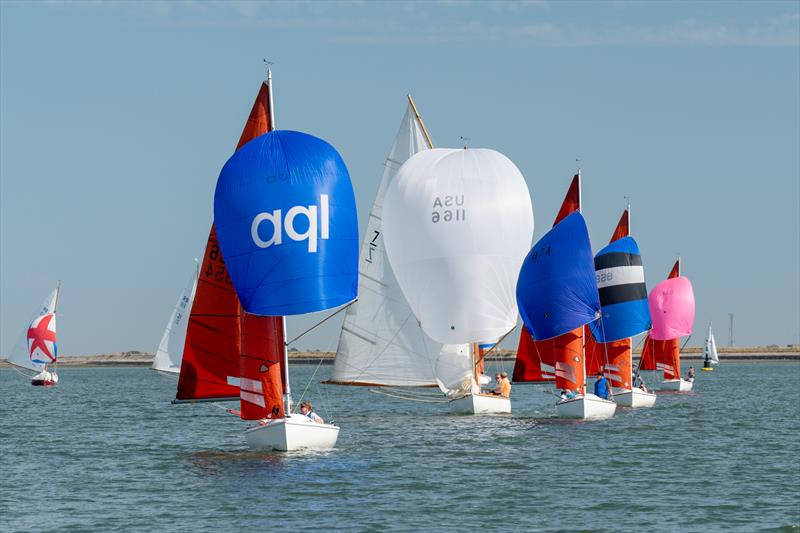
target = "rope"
x: 322, y: 321
x: 409, y: 398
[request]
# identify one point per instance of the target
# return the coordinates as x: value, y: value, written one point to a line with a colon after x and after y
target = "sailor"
x: 307, y: 410
x: 503, y: 385
x: 690, y: 374
x: 567, y: 394
x: 601, y: 386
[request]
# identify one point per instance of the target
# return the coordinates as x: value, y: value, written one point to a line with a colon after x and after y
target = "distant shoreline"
x: 735, y: 354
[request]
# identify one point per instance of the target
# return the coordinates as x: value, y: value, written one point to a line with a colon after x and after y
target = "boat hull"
x: 634, y: 398
x: 679, y: 385
x: 586, y: 407
x: 481, y: 404
x: 295, y: 432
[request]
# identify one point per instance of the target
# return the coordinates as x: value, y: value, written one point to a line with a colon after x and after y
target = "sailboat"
x: 671, y: 305
x: 710, y: 356
x: 169, y: 354
x: 537, y: 360
x: 457, y: 224
x: 557, y: 295
x: 625, y: 313
x: 381, y: 343
x: 36, y: 350
x: 285, y: 214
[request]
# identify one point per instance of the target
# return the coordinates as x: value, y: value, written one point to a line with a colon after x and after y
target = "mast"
x: 419, y: 119
x: 287, y: 395
x: 583, y: 329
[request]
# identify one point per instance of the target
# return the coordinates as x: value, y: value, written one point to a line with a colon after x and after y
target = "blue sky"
x: 115, y: 119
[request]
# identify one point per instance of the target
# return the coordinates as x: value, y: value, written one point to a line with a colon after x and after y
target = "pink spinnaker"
x: 671, y: 309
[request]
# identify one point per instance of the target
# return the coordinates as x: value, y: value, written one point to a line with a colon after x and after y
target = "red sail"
x: 623, y: 228
x: 572, y: 201
x: 533, y: 365
x: 676, y: 270
x: 595, y: 355
x: 558, y: 351
x: 568, y: 351
x: 648, y: 360
x: 262, y: 336
x: 261, y: 383
x: 211, y: 351
x: 215, y: 329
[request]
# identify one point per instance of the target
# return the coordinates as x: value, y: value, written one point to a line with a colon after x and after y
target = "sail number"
x: 536, y: 254
x: 441, y: 213
x: 215, y: 267
x: 603, y: 277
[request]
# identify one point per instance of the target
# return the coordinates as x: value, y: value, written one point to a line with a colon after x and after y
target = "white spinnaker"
x: 454, y: 369
x: 20, y: 356
x: 381, y: 342
x: 457, y: 225
x: 170, y: 351
x: 711, y: 347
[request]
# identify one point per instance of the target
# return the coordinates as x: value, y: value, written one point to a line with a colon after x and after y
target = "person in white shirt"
x: 307, y: 410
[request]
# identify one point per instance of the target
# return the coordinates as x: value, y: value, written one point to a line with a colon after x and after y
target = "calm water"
x: 105, y: 450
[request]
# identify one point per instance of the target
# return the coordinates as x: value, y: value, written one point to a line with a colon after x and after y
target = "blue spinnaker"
x: 556, y: 289
x: 623, y: 293
x: 285, y: 215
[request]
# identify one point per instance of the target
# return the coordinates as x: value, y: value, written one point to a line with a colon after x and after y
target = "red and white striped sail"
x: 561, y: 356
x: 219, y: 332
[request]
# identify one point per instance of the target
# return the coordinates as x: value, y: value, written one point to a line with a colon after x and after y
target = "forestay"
x: 457, y: 225
x: 21, y: 353
x: 170, y: 351
x: 381, y: 342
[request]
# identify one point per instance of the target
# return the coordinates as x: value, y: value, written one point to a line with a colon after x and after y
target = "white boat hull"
x: 634, y: 398
x: 481, y: 404
x: 680, y: 385
x: 295, y: 432
x: 587, y: 407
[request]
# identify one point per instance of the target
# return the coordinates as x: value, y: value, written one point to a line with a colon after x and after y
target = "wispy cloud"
x: 526, y: 23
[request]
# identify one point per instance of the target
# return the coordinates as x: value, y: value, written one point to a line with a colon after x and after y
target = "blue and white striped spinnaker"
x: 623, y: 293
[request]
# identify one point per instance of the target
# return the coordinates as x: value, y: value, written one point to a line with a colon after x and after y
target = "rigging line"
x: 410, y: 399
x: 321, y: 322
x: 309, y: 382
x: 490, y: 350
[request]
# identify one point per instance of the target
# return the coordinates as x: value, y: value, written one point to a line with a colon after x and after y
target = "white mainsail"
x: 170, y: 351
x: 20, y: 354
x: 710, y: 353
x: 381, y: 342
x: 457, y: 225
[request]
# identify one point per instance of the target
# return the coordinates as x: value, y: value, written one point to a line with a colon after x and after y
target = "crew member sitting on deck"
x: 306, y: 409
x: 503, y: 385
x: 601, y: 386
x: 690, y: 374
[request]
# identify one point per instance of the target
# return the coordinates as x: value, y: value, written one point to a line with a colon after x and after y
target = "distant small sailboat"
x: 671, y: 305
x: 37, y: 349
x: 710, y: 356
x: 169, y: 355
x: 457, y: 224
x: 557, y: 295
